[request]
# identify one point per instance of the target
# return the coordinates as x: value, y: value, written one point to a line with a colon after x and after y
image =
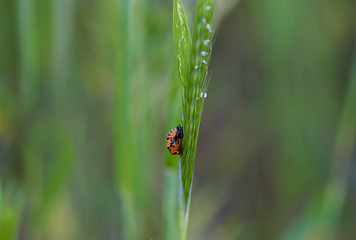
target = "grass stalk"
x: 124, y: 149
x: 28, y: 45
x: 170, y: 204
x: 0, y: 199
x: 62, y: 39
x: 323, y: 215
x: 171, y: 172
x: 10, y: 213
x: 342, y: 156
x: 193, y: 55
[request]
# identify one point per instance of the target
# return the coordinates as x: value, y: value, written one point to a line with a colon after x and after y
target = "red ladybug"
x: 173, y: 140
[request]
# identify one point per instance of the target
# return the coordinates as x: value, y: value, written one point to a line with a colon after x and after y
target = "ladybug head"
x: 180, y: 131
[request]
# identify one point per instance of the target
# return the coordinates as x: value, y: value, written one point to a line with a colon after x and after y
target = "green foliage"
x: 323, y: 215
x: 1, y: 200
x: 10, y: 212
x: 194, y: 89
x: 171, y: 166
x: 122, y: 122
x: 88, y: 92
x: 28, y: 44
x: 182, y: 41
x: 170, y: 204
x: 192, y: 62
x: 124, y: 158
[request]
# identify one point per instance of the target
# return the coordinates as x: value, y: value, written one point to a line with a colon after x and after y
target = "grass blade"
x: 194, y: 91
x: 124, y: 150
x: 192, y: 59
x: 28, y: 46
x: 323, y: 215
x: 182, y: 40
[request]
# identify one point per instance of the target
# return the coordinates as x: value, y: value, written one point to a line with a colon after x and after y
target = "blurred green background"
x: 275, y: 156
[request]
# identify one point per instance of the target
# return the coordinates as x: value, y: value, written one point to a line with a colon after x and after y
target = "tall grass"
x: 29, y: 59
x: 62, y: 42
x: 124, y: 153
x: 10, y: 213
x: 342, y: 155
x: 287, y: 58
x: 323, y: 215
x: 193, y: 54
x: 171, y: 167
x: 47, y: 146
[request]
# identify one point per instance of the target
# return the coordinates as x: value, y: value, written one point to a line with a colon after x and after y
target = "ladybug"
x: 173, y: 140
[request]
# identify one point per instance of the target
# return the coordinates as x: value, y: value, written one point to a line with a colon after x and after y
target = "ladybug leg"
x: 179, y: 132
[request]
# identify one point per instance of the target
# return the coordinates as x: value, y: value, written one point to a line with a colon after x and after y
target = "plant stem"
x: 124, y: 156
x: 193, y: 57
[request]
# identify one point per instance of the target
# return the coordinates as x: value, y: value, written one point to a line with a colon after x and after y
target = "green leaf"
x: 192, y: 58
x: 0, y: 199
x: 194, y: 90
x: 182, y: 40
